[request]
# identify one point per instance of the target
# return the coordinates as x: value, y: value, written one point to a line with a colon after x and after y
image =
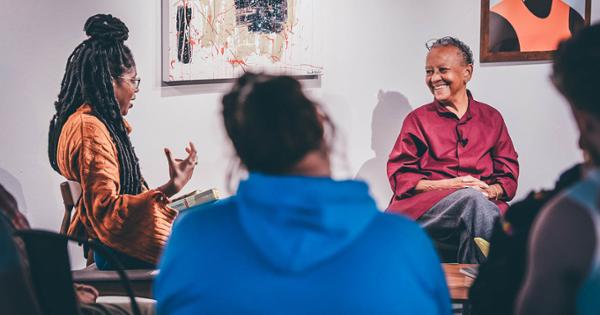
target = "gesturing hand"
x: 180, y: 170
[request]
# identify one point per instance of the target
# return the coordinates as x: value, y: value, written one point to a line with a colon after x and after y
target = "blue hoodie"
x: 299, y: 245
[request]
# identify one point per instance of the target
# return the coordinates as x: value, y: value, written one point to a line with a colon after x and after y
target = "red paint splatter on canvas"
x: 234, y: 62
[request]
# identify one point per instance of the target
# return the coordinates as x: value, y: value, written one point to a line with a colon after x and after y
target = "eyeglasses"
x: 135, y: 82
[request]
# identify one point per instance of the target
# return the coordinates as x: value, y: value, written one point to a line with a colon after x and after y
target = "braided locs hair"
x: 88, y: 79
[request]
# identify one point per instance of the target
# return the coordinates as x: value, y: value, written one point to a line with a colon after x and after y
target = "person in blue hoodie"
x: 293, y: 240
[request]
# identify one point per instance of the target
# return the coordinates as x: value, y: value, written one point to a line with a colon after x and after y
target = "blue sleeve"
x: 177, y: 288
x: 169, y: 286
x: 431, y: 267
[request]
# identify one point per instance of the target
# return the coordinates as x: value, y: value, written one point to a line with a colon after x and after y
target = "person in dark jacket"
x: 500, y: 277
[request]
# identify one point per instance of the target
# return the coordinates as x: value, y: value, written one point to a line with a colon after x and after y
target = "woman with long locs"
x: 89, y: 143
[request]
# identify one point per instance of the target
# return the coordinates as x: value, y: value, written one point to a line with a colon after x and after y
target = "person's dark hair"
x: 271, y: 123
x: 576, y: 68
x: 465, y: 50
x: 88, y: 79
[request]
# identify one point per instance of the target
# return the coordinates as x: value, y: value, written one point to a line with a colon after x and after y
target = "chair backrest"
x: 16, y: 291
x: 50, y: 272
x: 71, y: 194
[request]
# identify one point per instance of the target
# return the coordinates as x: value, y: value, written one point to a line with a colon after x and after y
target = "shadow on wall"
x: 335, y: 106
x: 14, y: 187
x: 389, y: 113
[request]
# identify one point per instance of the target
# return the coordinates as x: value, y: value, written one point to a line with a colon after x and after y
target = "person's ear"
x: 467, y: 73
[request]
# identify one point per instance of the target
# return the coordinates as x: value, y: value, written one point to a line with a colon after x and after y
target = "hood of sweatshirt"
x: 298, y: 222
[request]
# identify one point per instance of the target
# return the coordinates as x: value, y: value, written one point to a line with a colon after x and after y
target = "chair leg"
x: 89, y: 258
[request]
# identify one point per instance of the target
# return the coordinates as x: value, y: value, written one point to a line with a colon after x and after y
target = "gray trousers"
x: 454, y: 221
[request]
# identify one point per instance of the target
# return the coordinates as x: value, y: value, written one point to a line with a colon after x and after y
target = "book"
x: 470, y: 271
x: 194, y: 198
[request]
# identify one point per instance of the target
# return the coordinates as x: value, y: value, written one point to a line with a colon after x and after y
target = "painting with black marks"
x: 222, y: 39
x: 262, y: 16
x: 184, y: 47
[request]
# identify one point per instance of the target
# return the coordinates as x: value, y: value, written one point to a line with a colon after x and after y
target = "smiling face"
x: 447, y: 74
x: 125, y: 88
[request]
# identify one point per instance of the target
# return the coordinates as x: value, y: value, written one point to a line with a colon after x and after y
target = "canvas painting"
x: 221, y: 39
x: 517, y: 30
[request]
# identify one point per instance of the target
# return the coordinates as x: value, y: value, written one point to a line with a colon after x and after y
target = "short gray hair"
x: 452, y: 41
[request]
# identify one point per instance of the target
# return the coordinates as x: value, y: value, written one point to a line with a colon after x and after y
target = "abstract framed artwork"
x: 207, y: 41
x: 527, y: 30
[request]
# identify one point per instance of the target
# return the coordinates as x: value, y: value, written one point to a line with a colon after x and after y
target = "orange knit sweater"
x: 137, y: 225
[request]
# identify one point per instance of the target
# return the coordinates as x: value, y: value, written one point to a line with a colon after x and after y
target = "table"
x: 459, y: 285
x: 108, y: 283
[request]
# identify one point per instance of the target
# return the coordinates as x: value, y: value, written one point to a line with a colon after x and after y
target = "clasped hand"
x: 489, y: 191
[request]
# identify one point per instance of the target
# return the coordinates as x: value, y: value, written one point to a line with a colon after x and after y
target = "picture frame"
x: 215, y: 41
x: 510, y: 31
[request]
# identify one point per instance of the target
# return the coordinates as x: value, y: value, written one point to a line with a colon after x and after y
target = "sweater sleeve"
x: 138, y: 225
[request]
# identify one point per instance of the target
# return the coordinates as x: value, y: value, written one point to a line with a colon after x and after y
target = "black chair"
x: 51, y: 271
x: 16, y: 292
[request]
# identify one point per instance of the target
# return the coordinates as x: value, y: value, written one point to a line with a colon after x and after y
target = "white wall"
x: 373, y: 56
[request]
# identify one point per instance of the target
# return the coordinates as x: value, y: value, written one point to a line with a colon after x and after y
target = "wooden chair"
x: 71, y: 193
x: 106, y: 282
